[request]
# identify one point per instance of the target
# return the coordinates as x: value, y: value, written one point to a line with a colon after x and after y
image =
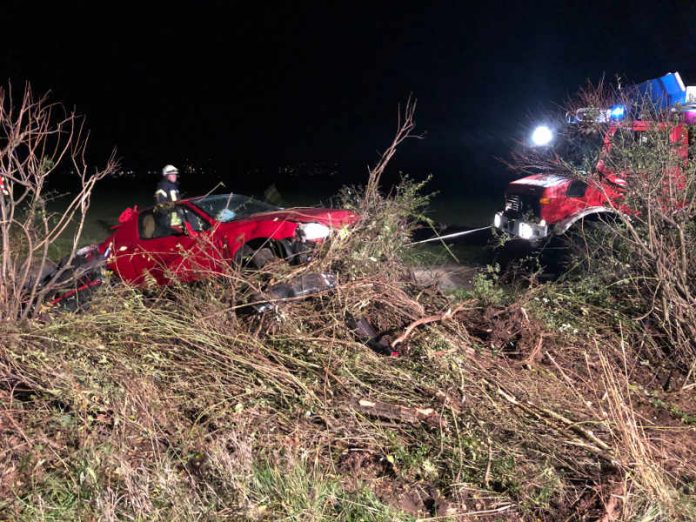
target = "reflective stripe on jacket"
x: 168, y: 192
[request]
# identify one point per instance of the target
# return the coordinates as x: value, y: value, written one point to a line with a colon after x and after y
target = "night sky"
x: 242, y: 87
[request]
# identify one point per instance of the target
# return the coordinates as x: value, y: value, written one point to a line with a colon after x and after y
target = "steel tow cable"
x: 450, y: 236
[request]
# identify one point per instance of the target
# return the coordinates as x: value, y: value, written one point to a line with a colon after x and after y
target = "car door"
x: 167, y: 253
x: 185, y: 253
x: 126, y: 257
x: 195, y: 253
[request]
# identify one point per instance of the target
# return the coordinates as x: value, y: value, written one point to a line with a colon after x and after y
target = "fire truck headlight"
x: 497, y: 220
x: 542, y: 136
x: 525, y: 231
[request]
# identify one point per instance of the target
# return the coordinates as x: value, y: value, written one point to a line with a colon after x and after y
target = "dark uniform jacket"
x: 167, y: 192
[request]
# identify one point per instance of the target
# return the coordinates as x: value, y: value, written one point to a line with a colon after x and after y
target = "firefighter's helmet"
x: 169, y: 169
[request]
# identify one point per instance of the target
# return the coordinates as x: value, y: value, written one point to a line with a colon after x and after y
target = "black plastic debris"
x: 70, y: 283
x: 302, y: 286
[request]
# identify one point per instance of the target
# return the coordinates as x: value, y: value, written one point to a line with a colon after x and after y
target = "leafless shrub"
x: 653, y: 248
x: 39, y: 141
x: 404, y: 130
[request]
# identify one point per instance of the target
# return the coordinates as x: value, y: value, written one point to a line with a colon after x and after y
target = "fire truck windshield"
x: 579, y: 148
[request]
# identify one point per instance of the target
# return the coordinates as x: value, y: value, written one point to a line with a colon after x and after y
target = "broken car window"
x: 226, y: 207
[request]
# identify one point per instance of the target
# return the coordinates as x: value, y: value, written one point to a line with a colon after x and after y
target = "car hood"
x: 335, y: 218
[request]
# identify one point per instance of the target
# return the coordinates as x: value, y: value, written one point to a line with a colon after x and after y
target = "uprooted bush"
x: 185, y: 406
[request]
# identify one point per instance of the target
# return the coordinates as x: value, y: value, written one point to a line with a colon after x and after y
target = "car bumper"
x: 521, y: 229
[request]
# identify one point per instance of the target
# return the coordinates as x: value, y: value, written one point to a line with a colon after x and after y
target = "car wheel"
x: 247, y: 257
x: 262, y: 257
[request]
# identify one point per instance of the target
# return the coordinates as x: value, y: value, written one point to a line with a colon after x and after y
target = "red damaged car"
x: 215, y: 232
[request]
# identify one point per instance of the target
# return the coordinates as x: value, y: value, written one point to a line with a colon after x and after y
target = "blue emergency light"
x: 617, y: 112
x: 592, y: 114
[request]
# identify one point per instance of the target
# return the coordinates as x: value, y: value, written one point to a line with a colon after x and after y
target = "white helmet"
x: 169, y: 169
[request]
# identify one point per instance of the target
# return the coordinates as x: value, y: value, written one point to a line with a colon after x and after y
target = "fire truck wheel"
x: 514, y: 258
x: 574, y: 251
x: 555, y: 258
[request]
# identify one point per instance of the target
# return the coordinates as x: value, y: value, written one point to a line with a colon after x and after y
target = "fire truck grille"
x: 513, y: 203
x: 517, y: 205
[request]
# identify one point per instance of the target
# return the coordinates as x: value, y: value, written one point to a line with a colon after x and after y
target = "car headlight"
x: 525, y: 231
x: 312, y: 231
x: 497, y: 220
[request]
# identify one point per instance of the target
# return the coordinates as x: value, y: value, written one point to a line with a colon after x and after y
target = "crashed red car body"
x: 216, y: 231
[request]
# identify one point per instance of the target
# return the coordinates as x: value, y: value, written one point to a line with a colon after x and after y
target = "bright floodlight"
x: 542, y: 136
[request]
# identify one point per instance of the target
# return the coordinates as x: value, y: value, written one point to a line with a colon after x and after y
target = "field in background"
x: 446, y: 210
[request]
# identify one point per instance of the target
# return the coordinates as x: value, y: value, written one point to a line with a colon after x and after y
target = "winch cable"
x: 450, y: 236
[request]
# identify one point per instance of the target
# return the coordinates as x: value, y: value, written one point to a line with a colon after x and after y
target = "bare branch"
x: 39, y: 140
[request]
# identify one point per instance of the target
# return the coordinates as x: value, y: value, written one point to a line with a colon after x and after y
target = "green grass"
x: 296, y: 493
x: 105, y: 207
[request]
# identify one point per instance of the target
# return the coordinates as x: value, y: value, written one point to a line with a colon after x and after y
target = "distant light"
x: 617, y: 112
x: 497, y: 220
x: 542, y: 136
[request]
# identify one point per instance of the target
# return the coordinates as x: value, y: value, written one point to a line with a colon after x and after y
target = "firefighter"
x: 166, y: 195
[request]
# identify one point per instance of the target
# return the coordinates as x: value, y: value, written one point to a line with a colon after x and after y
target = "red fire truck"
x: 542, y: 206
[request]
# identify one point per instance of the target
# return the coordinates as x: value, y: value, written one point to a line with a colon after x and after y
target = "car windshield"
x: 226, y: 207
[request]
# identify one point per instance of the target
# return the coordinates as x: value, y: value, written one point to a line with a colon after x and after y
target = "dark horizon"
x: 244, y: 90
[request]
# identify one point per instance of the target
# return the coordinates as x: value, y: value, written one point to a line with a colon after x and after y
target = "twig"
x: 487, y: 475
x: 402, y: 413
x: 602, y: 447
x: 448, y: 314
x: 468, y: 514
x: 537, y: 348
